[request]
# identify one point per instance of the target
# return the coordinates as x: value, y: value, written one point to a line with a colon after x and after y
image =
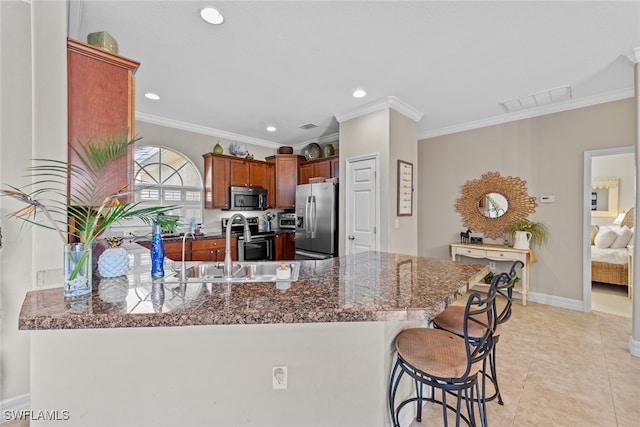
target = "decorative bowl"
x: 285, y: 150
x: 238, y: 150
x: 312, y: 151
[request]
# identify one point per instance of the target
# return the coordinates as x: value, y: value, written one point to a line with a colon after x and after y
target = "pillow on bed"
x: 623, y: 236
x: 604, y: 238
x: 594, y: 231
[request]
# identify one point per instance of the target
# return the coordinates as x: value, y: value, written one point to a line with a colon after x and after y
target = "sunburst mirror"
x: 487, y: 205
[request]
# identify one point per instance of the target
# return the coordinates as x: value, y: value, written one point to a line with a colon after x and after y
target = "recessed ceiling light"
x: 271, y: 128
x: 359, y: 93
x: 152, y: 96
x: 212, y: 16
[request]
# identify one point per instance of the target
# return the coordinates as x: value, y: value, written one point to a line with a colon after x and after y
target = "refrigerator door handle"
x: 314, y: 216
x: 307, y: 214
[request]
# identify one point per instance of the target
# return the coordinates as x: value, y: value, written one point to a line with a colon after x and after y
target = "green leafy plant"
x: 89, y: 210
x: 488, y: 277
x: 539, y: 231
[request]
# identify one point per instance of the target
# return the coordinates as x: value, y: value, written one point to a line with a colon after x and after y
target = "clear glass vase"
x: 77, y: 270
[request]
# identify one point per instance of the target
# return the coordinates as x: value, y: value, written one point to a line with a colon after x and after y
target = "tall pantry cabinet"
x: 101, y: 98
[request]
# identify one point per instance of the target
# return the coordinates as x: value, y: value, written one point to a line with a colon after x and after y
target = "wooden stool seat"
x: 451, y: 320
x: 438, y: 352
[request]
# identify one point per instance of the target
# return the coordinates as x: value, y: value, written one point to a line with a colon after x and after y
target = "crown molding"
x: 530, y: 113
x: 190, y: 127
x: 381, y: 104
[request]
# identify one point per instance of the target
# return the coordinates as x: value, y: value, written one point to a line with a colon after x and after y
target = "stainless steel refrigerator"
x: 317, y: 220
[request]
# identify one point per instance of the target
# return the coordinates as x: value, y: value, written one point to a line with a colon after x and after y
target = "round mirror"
x: 493, y: 205
x: 487, y: 205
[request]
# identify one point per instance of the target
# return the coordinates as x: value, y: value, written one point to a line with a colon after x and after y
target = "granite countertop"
x: 370, y: 286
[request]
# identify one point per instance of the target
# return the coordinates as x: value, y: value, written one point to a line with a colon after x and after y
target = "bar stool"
x: 452, y: 320
x: 445, y: 361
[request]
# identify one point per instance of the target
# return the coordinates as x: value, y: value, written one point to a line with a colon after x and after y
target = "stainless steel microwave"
x: 247, y: 198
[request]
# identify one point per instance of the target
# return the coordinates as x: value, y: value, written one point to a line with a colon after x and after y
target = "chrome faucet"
x: 183, y: 270
x: 228, y: 264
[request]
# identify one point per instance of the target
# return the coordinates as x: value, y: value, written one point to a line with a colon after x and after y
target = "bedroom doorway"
x: 609, y: 195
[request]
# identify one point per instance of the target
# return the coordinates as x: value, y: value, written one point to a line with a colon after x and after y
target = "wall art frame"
x: 405, y: 188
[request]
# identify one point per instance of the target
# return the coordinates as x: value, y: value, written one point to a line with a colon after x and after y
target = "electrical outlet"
x: 492, y: 266
x: 279, y: 377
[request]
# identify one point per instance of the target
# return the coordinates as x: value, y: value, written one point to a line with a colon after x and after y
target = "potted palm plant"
x: 87, y: 210
x: 524, y: 232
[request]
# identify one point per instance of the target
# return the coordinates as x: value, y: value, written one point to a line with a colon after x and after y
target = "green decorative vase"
x: 329, y: 150
x: 218, y: 149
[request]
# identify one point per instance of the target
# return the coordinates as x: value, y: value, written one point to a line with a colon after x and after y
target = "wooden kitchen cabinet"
x: 173, y: 251
x: 271, y: 185
x: 212, y: 249
x: 100, y: 103
x: 335, y: 167
x: 285, y: 246
x: 286, y: 178
x: 221, y: 171
x: 239, y: 172
x: 216, y: 181
x: 326, y: 167
x: 258, y: 174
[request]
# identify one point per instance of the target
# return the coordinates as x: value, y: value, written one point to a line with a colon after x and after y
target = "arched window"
x: 166, y: 177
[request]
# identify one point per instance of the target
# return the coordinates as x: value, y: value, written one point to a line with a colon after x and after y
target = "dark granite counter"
x: 371, y: 286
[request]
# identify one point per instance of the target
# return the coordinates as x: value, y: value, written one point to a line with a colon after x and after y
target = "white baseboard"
x: 18, y: 403
x: 634, y: 347
x: 555, y: 301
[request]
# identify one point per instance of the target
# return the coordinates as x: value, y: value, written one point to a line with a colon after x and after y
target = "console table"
x: 498, y: 253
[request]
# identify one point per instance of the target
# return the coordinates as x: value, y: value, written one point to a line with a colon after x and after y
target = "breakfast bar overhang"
x: 205, y: 355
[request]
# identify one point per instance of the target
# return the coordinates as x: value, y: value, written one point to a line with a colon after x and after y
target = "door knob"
x: 351, y: 237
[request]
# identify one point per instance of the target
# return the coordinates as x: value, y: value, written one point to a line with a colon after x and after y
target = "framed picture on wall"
x: 405, y: 188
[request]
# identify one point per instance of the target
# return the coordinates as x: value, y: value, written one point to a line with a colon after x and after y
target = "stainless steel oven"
x: 287, y: 220
x: 261, y: 246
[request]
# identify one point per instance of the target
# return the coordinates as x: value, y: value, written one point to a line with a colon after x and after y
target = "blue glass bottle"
x: 157, y: 252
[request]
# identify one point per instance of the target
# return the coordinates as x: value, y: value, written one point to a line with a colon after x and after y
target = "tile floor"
x: 558, y: 368
x: 561, y: 367
x: 612, y: 299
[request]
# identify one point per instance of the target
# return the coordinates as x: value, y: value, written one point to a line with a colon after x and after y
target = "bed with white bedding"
x: 609, y: 253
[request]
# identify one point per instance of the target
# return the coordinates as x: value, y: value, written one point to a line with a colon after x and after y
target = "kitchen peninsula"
x: 204, y: 354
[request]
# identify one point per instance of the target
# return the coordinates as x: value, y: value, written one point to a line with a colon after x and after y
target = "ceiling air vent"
x: 562, y: 93
x: 308, y: 126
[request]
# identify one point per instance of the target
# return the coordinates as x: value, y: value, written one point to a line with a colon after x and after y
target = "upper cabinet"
x: 286, y: 178
x: 279, y: 175
x: 325, y: 167
x: 221, y: 171
x: 101, y: 96
x: 216, y: 181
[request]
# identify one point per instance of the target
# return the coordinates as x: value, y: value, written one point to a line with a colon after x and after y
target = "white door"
x: 362, y: 206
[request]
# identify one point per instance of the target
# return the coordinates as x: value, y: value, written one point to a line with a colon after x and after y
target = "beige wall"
x: 392, y: 136
x: 547, y: 152
x: 403, y: 138
x: 33, y: 126
x: 361, y: 136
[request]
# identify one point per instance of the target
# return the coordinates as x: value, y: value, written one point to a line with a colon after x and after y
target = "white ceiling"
x: 290, y: 63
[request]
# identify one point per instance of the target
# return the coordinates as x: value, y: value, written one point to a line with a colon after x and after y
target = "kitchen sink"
x: 246, y: 271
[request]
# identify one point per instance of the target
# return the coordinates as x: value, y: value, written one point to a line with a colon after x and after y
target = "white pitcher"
x: 522, y: 240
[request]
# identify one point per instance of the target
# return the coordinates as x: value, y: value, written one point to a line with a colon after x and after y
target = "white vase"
x: 522, y: 240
